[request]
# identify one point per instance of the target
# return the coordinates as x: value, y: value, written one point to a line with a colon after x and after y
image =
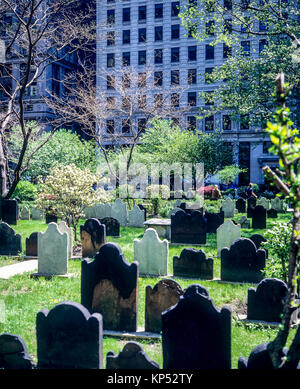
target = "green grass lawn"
x: 24, y: 296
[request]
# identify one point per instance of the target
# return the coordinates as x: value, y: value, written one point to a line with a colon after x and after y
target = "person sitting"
x: 250, y: 192
x: 216, y: 193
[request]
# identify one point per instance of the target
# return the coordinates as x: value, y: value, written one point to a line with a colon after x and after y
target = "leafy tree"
x: 229, y: 173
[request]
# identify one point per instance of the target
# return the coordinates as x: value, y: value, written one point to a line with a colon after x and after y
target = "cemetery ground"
x: 24, y: 297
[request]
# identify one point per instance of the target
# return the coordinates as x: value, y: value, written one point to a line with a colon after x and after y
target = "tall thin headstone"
x: 119, y: 212
x: 10, y: 242
x: 227, y: 233
x: 63, y: 227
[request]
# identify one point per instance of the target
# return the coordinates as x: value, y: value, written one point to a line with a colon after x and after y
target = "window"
x: 192, y: 53
x: 142, y: 35
x: 192, y: 99
x: 142, y: 101
x: 158, y: 33
x: 142, y: 80
x: 226, y: 121
x: 110, y: 81
x: 245, y: 48
x: 111, y: 102
x: 209, y: 123
x: 191, y: 122
x: 192, y: 76
x: 175, y: 77
x: 262, y: 45
x: 192, y: 30
x: 175, y: 54
x: 208, y: 73
x: 28, y: 107
x: 245, y: 122
x: 210, y: 28
x: 141, y: 125
x: 159, y: 11
x: 158, y: 56
x: 175, y: 31
x: 266, y: 146
x: 110, y: 60
x: 209, y: 6
x: 110, y: 16
x: 175, y: 100
x: 262, y: 27
x: 142, y: 57
x: 158, y: 78
x: 110, y: 38
x: 142, y: 13
x: 126, y: 81
x: 208, y: 97
x: 126, y: 37
x: 228, y: 5
x: 227, y: 51
x: 158, y: 100
x: 174, y: 8
x: 209, y: 52
x: 126, y: 58
x: 227, y: 26
x: 192, y: 3
x: 126, y: 15
x: 126, y: 103
x: 110, y: 126
x: 126, y: 126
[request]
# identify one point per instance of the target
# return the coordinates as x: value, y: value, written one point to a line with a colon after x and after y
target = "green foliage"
x: 25, y: 191
x: 229, y: 173
x: 213, y: 206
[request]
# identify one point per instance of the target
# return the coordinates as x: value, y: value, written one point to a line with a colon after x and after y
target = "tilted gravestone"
x: 9, y: 211
x: 193, y: 263
x: 14, y: 353
x: 259, y: 217
x: 240, y: 205
x: 251, y: 203
x: 272, y: 213
x: 119, y: 212
x: 242, y: 262
x: 93, y: 237
x: 277, y: 204
x: 152, y: 254
x: 195, y: 334
x: 32, y: 245
x: 69, y: 337
x: 188, y: 228
x: 37, y: 214
x: 63, y: 227
x: 131, y: 357
x: 266, y: 302
x: 109, y: 285
x: 25, y: 213
x: 136, y: 217
x: 112, y: 226
x: 214, y: 220
x: 227, y: 233
x: 10, y: 242
x: 228, y: 207
x: 244, y: 222
x: 257, y: 239
x: 162, y: 296
x: 263, y: 202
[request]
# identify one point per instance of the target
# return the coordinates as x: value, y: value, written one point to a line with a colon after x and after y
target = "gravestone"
x: 257, y: 239
x: 25, y: 213
x: 195, y: 334
x: 251, y: 203
x: 37, y: 214
x: 109, y: 285
x: 228, y: 207
x: 214, y: 220
x: 119, y: 212
x: 161, y: 297
x: 93, y: 236
x: 112, y: 226
x: 103, y: 210
x: 244, y: 222
x: 272, y: 213
x: 193, y: 263
x: 52, y: 251
x: 188, y: 228
x: 143, y: 209
x: 51, y: 218
x: 131, y: 357
x: 152, y: 254
x: 10, y: 242
x: 9, y: 211
x: 69, y: 337
x: 227, y: 233
x: 32, y: 245
x: 173, y: 211
x: 263, y: 202
x: 63, y: 227
x: 136, y: 217
x: 14, y: 353
x: 266, y: 302
x: 242, y: 262
x: 259, y: 217
x: 277, y: 204
x: 240, y: 205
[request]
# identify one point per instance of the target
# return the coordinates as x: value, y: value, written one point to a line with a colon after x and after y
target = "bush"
x: 25, y: 191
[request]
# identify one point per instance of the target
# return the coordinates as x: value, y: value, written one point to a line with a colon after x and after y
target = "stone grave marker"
x: 272, y: 213
x: 195, y: 334
x: 214, y: 220
x: 264, y: 202
x: 244, y: 222
x: 10, y: 242
x: 173, y: 211
x: 32, y: 245
x: 14, y: 353
x: 161, y: 297
x: 131, y: 357
x: 69, y: 337
x: 161, y: 226
x: 193, y: 263
x: 266, y: 302
x: 251, y: 203
x: 259, y: 217
x: 51, y: 218
x: 93, y: 237
x: 228, y: 207
x: 136, y: 217
x: 188, y: 228
x: 240, y: 205
x: 257, y: 239
x: 143, y: 209
x: 242, y: 262
x: 152, y: 254
x: 63, y: 227
x: 277, y: 204
x: 100, y: 211
x: 119, y: 212
x: 112, y: 226
x: 37, y: 214
x: 227, y: 233
x: 25, y: 213
x: 109, y: 285
x: 9, y: 211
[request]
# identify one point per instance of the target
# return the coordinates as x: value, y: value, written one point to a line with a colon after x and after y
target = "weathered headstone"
x: 25, y: 213
x: 51, y: 218
x: 143, y: 209
x: 119, y: 212
x: 152, y: 254
x: 10, y: 242
x: 188, y: 228
x: 272, y: 213
x: 277, y: 204
x: 136, y: 217
x: 195, y: 334
x: 112, y: 226
x: 32, y: 245
x: 161, y: 226
x: 93, y: 236
x: 14, y: 353
x: 240, y: 205
x: 161, y: 297
x: 214, y: 220
x: 37, y: 214
x: 173, y: 211
x: 259, y: 217
x: 227, y: 233
x: 101, y: 211
x: 242, y: 262
x: 9, y: 211
x: 63, y: 227
x: 251, y: 203
x: 228, y: 207
x: 264, y: 202
x: 257, y: 239
x: 193, y: 263
x: 266, y: 302
x: 244, y: 222
x: 109, y: 285
x: 69, y: 337
x: 131, y: 357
